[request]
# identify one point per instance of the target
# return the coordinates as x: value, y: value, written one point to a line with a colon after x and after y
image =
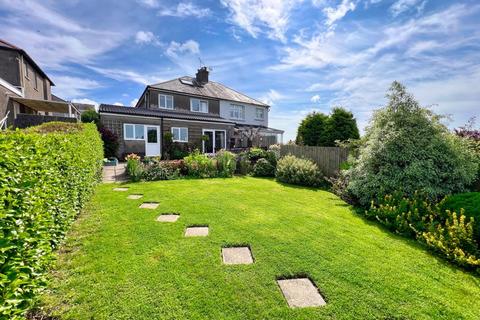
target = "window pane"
x: 128, y: 131
x: 194, y: 103
x: 175, y: 133
x: 139, y: 132
x: 152, y: 135
x: 204, y: 106
x: 219, y: 140
x: 169, y: 102
x: 184, y: 134
x: 161, y: 101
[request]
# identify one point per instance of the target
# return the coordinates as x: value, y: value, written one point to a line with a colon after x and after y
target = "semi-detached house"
x: 203, y: 114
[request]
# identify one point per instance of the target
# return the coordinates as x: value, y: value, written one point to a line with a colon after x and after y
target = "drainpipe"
x: 161, y: 138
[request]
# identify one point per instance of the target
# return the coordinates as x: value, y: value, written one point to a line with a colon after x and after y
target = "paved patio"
x: 113, y: 174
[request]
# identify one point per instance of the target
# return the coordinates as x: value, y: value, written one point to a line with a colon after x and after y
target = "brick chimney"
x: 202, y: 75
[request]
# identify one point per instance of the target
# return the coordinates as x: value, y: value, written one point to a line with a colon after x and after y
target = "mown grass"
x: 121, y: 264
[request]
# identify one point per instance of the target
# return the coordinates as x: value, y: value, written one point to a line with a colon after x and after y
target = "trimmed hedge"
x: 47, y: 173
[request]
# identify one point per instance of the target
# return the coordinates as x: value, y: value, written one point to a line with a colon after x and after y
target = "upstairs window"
x: 180, y: 134
x: 165, y: 102
x: 237, y: 112
x: 197, y: 105
x: 36, y: 81
x: 133, y: 131
x: 260, y: 113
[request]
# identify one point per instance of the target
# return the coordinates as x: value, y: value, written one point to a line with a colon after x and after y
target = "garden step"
x: 168, y: 217
x: 135, y: 196
x: 237, y: 255
x: 149, y: 205
x: 120, y: 189
x: 301, y: 293
x: 196, y: 232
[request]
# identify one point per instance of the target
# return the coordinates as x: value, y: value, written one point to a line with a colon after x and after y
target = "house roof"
x: 211, y: 89
x: 177, y: 114
x: 7, y: 45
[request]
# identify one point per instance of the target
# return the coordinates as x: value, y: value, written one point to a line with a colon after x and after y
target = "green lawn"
x: 119, y: 263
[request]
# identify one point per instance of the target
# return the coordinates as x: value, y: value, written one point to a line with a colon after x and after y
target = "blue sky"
x: 298, y: 56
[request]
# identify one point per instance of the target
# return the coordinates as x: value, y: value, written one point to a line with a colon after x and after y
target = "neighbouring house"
x: 203, y: 114
x: 25, y: 92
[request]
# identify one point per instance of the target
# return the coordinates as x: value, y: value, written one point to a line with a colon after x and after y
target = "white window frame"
x: 262, y: 111
x: 199, y: 103
x: 164, y: 97
x: 134, y: 138
x: 179, y: 134
x: 241, y: 111
x: 36, y: 81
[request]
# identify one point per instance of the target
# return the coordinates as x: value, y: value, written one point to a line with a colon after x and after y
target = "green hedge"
x: 47, y: 173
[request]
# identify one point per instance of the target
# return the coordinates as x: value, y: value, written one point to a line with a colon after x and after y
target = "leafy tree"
x: 341, y: 126
x: 317, y: 129
x: 312, y: 130
x: 407, y: 149
x: 90, y: 116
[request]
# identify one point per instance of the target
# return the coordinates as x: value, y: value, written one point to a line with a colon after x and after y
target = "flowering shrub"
x: 447, y: 232
x: 163, y: 170
x: 291, y: 169
x: 134, y: 167
x: 200, y: 165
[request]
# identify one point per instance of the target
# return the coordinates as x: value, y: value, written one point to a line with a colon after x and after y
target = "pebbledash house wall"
x: 116, y: 122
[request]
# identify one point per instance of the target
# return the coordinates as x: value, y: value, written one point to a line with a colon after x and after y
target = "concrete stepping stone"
x: 237, y: 255
x: 301, y: 293
x: 168, y: 217
x: 135, y: 196
x: 196, y: 232
x: 120, y: 189
x: 149, y: 205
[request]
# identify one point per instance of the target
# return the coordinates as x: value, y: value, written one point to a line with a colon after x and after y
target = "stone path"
x: 237, y: 255
x: 120, y: 189
x: 300, y: 293
x: 168, y: 217
x: 196, y: 232
x: 111, y: 174
x: 149, y: 205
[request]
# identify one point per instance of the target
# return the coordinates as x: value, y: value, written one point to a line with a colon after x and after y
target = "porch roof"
x: 43, y: 105
x: 263, y: 129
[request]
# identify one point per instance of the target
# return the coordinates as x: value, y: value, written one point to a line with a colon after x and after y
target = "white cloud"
x: 118, y: 104
x: 87, y: 101
x: 401, y: 6
x: 335, y: 14
x: 61, y: 40
x: 149, y: 3
x: 315, y: 98
x: 127, y: 75
x: 176, y: 48
x: 69, y: 88
x: 185, y: 9
x: 256, y: 15
x: 271, y: 97
x: 134, y: 102
x: 146, y: 37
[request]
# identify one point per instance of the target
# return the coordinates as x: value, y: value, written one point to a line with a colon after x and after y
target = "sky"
x: 298, y: 56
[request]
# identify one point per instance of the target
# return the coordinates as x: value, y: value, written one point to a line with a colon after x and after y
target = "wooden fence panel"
x: 328, y: 159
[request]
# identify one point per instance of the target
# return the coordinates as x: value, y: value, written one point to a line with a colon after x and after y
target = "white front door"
x: 152, y: 141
